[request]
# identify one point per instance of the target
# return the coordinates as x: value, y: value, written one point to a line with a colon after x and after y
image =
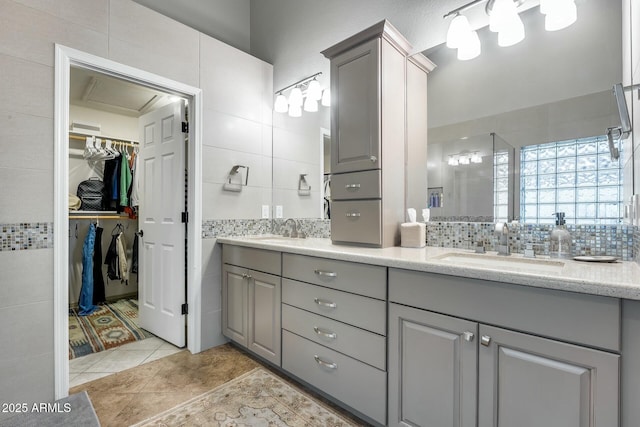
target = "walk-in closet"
x: 106, y: 116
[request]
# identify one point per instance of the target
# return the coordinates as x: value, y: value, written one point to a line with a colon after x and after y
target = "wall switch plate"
x: 265, y: 211
x: 279, y: 211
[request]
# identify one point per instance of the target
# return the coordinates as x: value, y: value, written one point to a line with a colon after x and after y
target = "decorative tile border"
x: 246, y: 227
x: 613, y: 240
x: 26, y: 236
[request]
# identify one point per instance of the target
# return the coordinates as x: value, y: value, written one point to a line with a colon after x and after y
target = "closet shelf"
x: 97, y: 215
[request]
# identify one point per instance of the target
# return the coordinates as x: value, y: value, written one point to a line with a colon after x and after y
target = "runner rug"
x: 257, y: 398
x: 112, y: 325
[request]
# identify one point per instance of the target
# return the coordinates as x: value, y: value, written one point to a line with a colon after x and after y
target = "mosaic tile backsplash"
x: 622, y: 241
x: 25, y: 236
x: 612, y: 240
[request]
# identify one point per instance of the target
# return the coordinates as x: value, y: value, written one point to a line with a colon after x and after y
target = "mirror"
x: 553, y: 86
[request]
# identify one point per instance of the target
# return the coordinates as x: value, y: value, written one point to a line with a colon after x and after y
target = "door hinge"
x: 185, y: 127
x: 185, y: 217
x: 185, y: 309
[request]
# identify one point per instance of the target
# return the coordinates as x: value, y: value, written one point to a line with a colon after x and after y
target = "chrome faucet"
x: 293, y: 230
x: 502, y: 231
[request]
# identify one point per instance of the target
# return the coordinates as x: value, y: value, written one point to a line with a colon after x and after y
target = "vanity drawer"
x: 356, y: 185
x: 362, y: 345
x: 255, y: 259
x: 357, y: 222
x: 358, y: 385
x: 363, y: 279
x: 363, y: 312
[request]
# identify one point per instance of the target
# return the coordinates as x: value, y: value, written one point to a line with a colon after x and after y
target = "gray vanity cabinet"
x: 251, y: 300
x: 539, y: 366
x: 526, y: 380
x: 432, y: 369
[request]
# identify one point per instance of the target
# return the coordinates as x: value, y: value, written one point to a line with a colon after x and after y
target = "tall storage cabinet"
x: 368, y: 128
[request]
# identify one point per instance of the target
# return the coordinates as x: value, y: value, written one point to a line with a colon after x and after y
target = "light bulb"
x: 314, y: 91
x: 295, y: 110
x: 476, y: 158
x: 561, y: 16
x: 501, y: 13
x: 459, y: 30
x: 281, y: 105
x: 453, y: 161
x: 470, y: 47
x: 295, y: 97
x: 310, y: 105
x: 326, y: 98
x: 512, y: 32
x: 463, y: 160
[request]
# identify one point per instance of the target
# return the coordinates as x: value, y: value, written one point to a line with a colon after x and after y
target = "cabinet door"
x: 264, y: 316
x: 355, y: 118
x: 234, y: 303
x: 528, y: 381
x: 432, y: 369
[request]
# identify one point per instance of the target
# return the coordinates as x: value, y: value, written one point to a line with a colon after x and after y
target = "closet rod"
x: 81, y: 137
x: 71, y: 217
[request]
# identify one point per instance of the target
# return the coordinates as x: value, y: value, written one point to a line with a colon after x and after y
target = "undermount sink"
x: 502, y: 262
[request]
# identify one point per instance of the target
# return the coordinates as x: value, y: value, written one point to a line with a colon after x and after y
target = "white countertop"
x: 620, y: 279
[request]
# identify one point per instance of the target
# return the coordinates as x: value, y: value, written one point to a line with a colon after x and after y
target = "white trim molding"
x: 65, y: 58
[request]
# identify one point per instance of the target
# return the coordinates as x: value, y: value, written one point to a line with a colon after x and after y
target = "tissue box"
x: 413, y: 235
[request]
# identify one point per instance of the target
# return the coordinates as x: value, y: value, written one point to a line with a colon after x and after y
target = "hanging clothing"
x: 109, y: 169
x: 125, y: 181
x: 134, y: 257
x: 85, y: 302
x: 98, y: 280
x: 135, y: 191
x: 122, y: 258
x: 111, y: 259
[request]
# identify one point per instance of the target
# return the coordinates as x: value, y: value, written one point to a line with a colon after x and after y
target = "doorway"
x: 66, y: 58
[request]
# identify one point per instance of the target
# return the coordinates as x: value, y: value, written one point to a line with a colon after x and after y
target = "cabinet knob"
x: 246, y: 276
x: 373, y: 159
x: 468, y: 336
x: 485, y: 340
x: 330, y: 365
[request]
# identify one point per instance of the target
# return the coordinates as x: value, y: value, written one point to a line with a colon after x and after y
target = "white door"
x: 161, y: 280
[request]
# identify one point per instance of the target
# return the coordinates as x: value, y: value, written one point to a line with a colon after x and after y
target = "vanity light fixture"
x: 504, y: 20
x: 453, y: 161
x: 464, y: 159
x: 475, y: 157
x: 304, y: 94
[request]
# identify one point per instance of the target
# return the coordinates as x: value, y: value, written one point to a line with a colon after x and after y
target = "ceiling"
x: 98, y: 91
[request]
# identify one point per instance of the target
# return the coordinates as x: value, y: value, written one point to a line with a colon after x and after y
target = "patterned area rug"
x: 257, y: 398
x: 112, y: 325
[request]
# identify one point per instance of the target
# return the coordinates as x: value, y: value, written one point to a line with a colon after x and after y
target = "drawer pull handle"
x: 353, y: 214
x: 325, y: 303
x: 348, y: 186
x: 325, y: 333
x: 319, y: 361
x: 325, y: 273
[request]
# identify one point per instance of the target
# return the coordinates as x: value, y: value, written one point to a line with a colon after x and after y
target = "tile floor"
x: 98, y: 365
x: 135, y: 394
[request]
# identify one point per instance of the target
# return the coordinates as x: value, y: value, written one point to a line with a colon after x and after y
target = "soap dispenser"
x: 560, y: 239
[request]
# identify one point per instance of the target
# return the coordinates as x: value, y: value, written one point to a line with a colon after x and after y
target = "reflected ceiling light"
x: 476, y: 157
x: 281, y: 105
x: 505, y: 20
x: 326, y: 98
x: 463, y: 159
x: 453, y: 161
x: 306, y: 92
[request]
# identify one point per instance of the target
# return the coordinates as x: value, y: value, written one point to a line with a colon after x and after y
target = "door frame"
x: 66, y: 57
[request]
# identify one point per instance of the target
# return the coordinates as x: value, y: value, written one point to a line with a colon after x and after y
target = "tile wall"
x: 25, y: 236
